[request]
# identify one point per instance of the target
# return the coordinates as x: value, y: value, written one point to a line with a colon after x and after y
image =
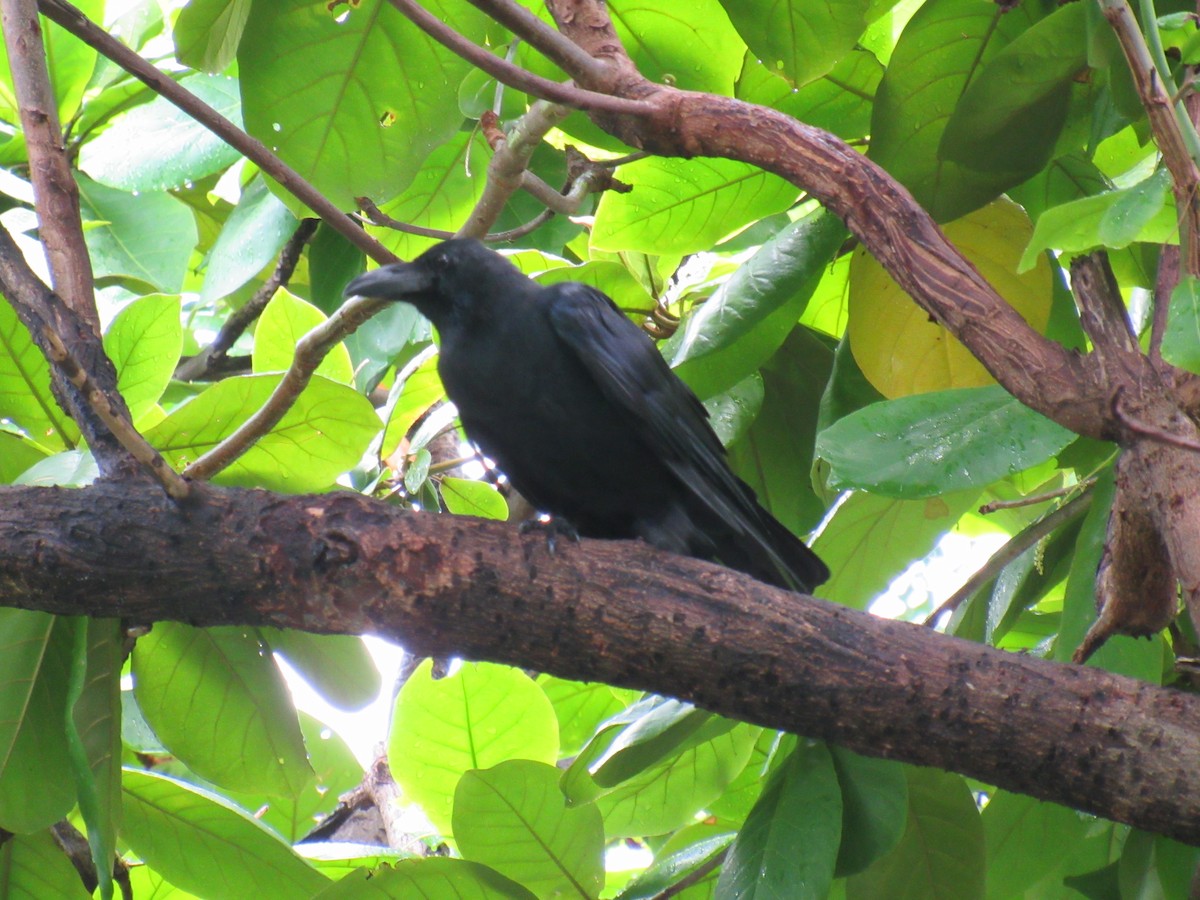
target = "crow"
x: 576, y: 406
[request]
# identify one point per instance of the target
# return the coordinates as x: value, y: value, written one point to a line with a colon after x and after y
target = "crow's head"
x: 439, y: 282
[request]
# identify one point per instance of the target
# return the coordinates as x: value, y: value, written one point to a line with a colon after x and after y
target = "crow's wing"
x: 630, y: 372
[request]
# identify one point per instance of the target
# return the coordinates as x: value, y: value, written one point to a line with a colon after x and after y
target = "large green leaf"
x: 337, y: 665
x: 251, y: 238
x: 69, y: 60
x: 944, y: 46
x: 35, y: 657
x: 1014, y: 108
x: 681, y: 206
x: 481, y: 715
x: 34, y: 867
x: 206, y: 690
x: 17, y: 454
x: 435, y: 878
x: 1181, y: 341
x: 25, y: 386
x: 941, y: 856
x: 669, y: 795
x: 93, y: 735
x: 159, y: 147
x: 889, y: 532
x: 737, y: 329
x: 228, y: 853
x: 147, y: 237
x: 789, y: 844
x: 514, y: 818
x: 1026, y: 841
x: 382, y: 87
x: 336, y: 771
x: 323, y: 435
x: 685, y: 852
x: 207, y: 33
x: 580, y: 708
x: 286, y: 319
x: 874, y: 808
x: 928, y: 444
x: 144, y: 342
x: 800, y: 40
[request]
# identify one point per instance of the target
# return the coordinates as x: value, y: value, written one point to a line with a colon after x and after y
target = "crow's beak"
x: 400, y: 281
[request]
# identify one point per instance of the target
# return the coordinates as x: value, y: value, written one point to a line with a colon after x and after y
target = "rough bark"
x: 617, y: 612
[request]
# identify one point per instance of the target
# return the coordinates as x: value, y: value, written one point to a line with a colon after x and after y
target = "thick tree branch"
x: 55, y: 193
x: 618, y: 612
x: 83, y: 28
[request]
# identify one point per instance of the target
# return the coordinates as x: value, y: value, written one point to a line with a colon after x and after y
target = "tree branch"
x: 76, y: 354
x: 83, y: 28
x: 56, y: 194
x: 618, y: 612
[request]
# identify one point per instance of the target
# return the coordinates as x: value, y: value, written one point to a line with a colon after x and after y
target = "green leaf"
x: 684, y: 853
x: 416, y: 389
x: 1025, y: 90
x: 944, y: 46
x: 1153, y: 866
x: 775, y: 456
x: 373, y: 133
x: 874, y: 808
x: 229, y: 854
x: 147, y: 237
x: 580, y: 708
x: 789, y: 844
x: 34, y: 867
x: 207, y: 33
x: 337, y: 772
x: 799, y: 40
x: 70, y: 63
x: 610, y: 278
x: 159, y: 147
x: 338, y: 666
x: 1026, y: 841
x: 17, y: 454
x: 144, y: 342
x: 513, y: 818
x: 929, y: 444
x: 251, y: 238
x: 93, y: 735
x: 1181, y: 340
x: 481, y: 715
x: 681, y: 206
x: 737, y: 329
x: 840, y: 102
x: 441, y: 195
x: 332, y: 262
x: 669, y: 795
x: 1081, y: 225
x: 435, y: 878
x: 35, y: 659
x: 891, y: 533
x: 465, y: 497
x: 732, y: 412
x: 25, y: 386
x: 323, y: 435
x: 206, y: 690
x: 941, y: 854
x: 285, y: 320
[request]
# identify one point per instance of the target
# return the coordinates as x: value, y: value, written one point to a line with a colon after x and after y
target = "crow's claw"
x: 553, y: 528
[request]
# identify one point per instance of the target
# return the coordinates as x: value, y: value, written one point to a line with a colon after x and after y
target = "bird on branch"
x: 580, y: 411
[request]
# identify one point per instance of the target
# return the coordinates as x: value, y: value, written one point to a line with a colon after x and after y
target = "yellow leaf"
x: 899, y: 349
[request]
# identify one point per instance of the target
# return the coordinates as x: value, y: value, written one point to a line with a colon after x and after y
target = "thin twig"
x: 55, y: 192
x: 561, y: 51
x: 1148, y: 430
x: 508, y: 166
x: 1010, y: 551
x: 310, y: 350
x: 514, y: 76
x: 376, y: 216
x: 996, y: 505
x: 83, y: 28
x: 239, y: 320
x: 46, y: 316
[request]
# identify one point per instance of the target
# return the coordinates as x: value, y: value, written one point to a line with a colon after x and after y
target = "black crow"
x: 578, y: 408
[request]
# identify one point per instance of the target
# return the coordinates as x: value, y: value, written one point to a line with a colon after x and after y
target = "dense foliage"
x: 841, y: 403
